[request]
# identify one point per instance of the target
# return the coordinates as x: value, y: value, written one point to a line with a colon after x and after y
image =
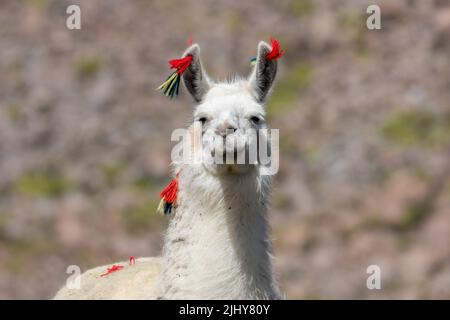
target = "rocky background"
x: 365, y: 137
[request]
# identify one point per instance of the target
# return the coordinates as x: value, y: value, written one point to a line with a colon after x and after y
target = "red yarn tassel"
x: 169, y: 196
x: 117, y: 267
x: 171, y: 86
x: 181, y: 64
x: 114, y: 268
x: 275, y: 53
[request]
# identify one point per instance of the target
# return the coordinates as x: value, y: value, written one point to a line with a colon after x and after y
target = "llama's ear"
x: 195, y: 78
x: 264, y: 72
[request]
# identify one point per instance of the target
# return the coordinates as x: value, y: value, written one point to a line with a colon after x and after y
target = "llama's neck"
x: 217, y: 245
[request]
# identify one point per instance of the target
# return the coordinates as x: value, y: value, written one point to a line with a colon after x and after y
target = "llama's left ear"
x: 264, y: 72
x: 195, y: 78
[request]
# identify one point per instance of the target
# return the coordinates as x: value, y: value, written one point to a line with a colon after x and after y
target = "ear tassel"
x: 168, y: 197
x: 171, y: 86
x: 274, y: 54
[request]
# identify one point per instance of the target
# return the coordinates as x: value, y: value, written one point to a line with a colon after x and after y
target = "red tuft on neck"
x: 169, y: 194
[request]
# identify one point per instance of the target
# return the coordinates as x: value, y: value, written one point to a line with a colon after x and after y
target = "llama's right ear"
x: 195, y: 78
x: 264, y: 72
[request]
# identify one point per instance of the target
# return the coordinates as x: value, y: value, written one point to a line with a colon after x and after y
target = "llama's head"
x: 230, y: 113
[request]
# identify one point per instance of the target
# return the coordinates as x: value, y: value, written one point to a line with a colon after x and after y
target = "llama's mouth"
x: 227, y: 157
x: 228, y: 169
x: 228, y: 163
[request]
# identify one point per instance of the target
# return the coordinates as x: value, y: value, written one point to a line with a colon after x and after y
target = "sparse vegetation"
x: 289, y: 88
x: 15, y: 112
x: 45, y: 184
x: 144, y: 184
x: 39, y: 4
x: 417, y: 128
x: 301, y: 8
x: 3, y: 224
x: 112, y: 170
x: 139, y: 218
x: 87, y: 67
x: 233, y: 21
x: 352, y: 22
x: 25, y: 250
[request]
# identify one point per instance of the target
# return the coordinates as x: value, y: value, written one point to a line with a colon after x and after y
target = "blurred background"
x: 365, y: 137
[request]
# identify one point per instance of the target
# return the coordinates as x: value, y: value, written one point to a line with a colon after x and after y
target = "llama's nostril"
x: 226, y: 131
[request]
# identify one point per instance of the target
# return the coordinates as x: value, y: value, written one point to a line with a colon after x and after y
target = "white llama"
x: 217, y: 245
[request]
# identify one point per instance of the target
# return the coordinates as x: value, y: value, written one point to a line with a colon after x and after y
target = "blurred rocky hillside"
x: 364, y: 120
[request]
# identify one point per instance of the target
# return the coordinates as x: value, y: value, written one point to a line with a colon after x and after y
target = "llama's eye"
x: 202, y: 120
x: 255, y: 119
